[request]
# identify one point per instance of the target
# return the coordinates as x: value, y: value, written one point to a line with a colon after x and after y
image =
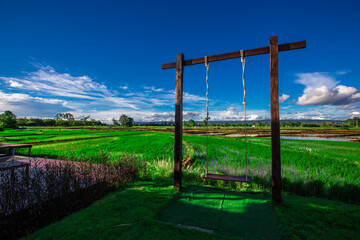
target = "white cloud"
x: 325, y: 112
x: 15, y: 84
x: 323, y: 89
x: 356, y: 96
x: 152, y: 88
x: 25, y: 105
x: 187, y: 97
x: 342, y: 72
x: 169, y: 116
x: 47, y: 80
x: 232, y: 115
x: 283, y: 98
x: 48, y: 87
x: 315, y: 80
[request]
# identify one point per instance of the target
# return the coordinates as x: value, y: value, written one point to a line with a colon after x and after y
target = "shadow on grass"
x: 240, y: 215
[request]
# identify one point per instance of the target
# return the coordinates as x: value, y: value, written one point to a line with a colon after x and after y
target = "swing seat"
x: 227, y: 178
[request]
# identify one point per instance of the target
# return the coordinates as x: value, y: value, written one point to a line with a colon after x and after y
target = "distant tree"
x: 31, y: 122
x: 64, y: 119
x: 191, y: 123
x: 49, y: 122
x: 69, y: 117
x: 115, y: 122
x: 8, y: 120
x: 21, y: 122
x: 84, y: 119
x: 59, y: 116
x: 126, y: 121
x: 65, y: 116
x: 204, y: 123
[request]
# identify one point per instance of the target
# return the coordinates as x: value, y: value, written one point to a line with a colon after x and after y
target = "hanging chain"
x: 244, y: 103
x: 207, y: 115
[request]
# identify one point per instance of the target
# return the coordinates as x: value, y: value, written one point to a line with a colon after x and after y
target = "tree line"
x: 9, y: 120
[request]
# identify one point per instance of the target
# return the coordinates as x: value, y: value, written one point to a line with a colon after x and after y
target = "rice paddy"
x: 318, y: 168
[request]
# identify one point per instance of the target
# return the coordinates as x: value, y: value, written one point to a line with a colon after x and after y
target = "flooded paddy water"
x: 329, y: 137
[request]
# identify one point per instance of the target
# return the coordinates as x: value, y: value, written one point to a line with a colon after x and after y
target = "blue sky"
x: 103, y: 58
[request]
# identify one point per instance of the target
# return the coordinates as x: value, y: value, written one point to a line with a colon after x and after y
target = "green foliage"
x: 191, y: 123
x: 352, y: 122
x: 7, y: 120
x: 64, y: 116
x: 59, y: 122
x: 310, y: 125
x: 115, y: 122
x: 126, y: 121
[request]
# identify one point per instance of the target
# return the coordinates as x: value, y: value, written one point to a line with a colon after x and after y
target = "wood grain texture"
x: 178, y: 120
x: 275, y: 124
x: 247, y: 53
x: 227, y: 178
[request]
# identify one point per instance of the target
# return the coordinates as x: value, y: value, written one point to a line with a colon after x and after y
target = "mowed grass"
x: 139, y: 212
x: 126, y: 214
x: 233, y: 214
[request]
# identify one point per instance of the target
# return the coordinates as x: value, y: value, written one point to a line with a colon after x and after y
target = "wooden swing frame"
x: 273, y: 49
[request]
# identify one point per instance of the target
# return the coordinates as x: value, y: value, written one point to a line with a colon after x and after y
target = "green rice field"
x: 316, y: 168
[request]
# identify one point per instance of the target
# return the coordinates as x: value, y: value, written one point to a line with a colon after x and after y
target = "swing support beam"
x: 273, y: 49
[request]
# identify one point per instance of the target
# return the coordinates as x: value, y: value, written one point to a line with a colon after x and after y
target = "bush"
x: 54, y: 190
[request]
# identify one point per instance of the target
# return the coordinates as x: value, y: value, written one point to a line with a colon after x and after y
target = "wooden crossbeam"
x: 247, y: 53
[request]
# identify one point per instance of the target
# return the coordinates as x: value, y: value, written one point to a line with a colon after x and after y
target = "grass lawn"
x: 134, y: 213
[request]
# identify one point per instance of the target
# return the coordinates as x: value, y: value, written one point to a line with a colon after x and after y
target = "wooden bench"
x: 12, y: 146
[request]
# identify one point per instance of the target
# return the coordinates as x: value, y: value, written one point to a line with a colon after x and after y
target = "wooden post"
x: 178, y: 120
x: 27, y: 172
x: 12, y: 151
x: 275, y: 120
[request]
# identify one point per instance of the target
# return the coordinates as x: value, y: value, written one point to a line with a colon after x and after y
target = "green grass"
x: 310, y: 168
x: 315, y: 168
x: 133, y: 213
x: 145, y: 145
x: 314, y: 218
x: 242, y: 215
x: 126, y: 214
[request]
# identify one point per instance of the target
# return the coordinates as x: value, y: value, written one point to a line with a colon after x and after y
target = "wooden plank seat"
x: 227, y: 178
x: 12, y: 146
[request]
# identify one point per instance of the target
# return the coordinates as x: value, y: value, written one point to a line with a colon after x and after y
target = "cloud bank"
x: 324, y: 89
